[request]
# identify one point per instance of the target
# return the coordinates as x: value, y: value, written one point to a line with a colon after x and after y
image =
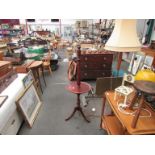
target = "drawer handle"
x: 103, y: 74
x: 86, y: 58
x: 85, y: 74
x: 105, y: 58
x: 85, y: 66
x: 13, y: 122
x: 104, y: 65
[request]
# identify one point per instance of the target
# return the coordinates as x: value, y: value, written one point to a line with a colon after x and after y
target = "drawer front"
x: 90, y: 74
x: 106, y: 58
x: 13, y: 124
x: 96, y: 66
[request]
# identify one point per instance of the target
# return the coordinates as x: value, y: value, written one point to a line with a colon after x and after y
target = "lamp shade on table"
x: 124, y: 37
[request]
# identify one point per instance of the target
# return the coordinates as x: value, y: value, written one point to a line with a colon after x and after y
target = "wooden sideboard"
x: 96, y: 65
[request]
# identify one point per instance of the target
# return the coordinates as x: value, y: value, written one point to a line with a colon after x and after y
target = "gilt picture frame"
x: 28, y: 79
x: 29, y: 104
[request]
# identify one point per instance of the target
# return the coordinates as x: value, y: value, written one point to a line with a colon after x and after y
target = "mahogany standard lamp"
x: 123, y: 39
x: 78, y: 88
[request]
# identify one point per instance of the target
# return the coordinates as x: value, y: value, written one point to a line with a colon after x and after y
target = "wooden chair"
x: 46, y: 63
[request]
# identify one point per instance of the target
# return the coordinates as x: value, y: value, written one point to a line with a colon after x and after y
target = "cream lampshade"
x: 123, y: 39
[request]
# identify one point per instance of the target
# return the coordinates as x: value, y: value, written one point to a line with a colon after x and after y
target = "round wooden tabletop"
x: 74, y: 88
x: 145, y: 87
x: 35, y: 64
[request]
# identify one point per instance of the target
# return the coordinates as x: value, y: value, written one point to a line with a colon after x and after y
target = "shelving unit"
x: 11, y: 32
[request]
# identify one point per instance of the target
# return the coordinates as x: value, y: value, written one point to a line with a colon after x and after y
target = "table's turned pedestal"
x: 78, y: 90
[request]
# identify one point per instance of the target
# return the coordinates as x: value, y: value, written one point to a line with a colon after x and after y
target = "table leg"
x: 71, y: 114
x: 135, y: 119
x: 43, y: 74
x: 37, y: 71
x: 77, y: 108
x: 103, y: 108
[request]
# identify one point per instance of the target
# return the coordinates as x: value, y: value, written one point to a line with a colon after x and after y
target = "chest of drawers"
x: 96, y: 65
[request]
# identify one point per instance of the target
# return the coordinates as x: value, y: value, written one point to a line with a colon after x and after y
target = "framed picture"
x: 135, y: 63
x: 29, y: 104
x: 28, y: 79
x: 3, y: 99
x: 148, y: 60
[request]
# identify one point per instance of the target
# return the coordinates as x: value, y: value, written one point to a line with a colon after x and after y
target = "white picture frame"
x: 148, y: 60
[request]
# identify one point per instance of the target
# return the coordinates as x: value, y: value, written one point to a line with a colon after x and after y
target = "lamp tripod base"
x: 80, y: 110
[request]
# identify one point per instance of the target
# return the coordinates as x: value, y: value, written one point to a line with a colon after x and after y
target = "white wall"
x: 153, y: 33
x: 141, y: 27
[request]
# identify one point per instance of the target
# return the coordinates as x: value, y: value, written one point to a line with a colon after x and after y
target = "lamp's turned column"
x: 78, y: 88
x: 78, y: 65
x: 119, y: 61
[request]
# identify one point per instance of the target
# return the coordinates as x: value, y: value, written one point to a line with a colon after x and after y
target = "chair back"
x: 48, y: 57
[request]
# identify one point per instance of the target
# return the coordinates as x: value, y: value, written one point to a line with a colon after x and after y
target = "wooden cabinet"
x: 10, y: 118
x: 96, y: 65
x: 13, y: 124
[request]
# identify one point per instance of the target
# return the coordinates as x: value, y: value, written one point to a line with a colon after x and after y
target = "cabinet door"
x: 13, y: 124
x: 93, y: 74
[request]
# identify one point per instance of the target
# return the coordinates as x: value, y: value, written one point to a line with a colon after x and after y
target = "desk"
x: 120, y: 123
x: 74, y: 88
x: 35, y: 66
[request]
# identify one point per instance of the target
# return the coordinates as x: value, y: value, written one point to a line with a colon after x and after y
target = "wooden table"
x: 120, y: 123
x: 143, y: 88
x: 78, y: 90
x: 35, y: 66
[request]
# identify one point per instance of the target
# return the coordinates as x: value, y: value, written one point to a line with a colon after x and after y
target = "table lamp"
x: 123, y: 39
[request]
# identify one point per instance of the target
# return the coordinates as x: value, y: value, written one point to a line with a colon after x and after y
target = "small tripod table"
x: 73, y: 87
x: 143, y: 88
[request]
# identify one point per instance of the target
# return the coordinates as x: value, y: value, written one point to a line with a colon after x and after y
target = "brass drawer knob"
x: 85, y: 74
x: 105, y: 58
x: 104, y: 65
x: 85, y: 66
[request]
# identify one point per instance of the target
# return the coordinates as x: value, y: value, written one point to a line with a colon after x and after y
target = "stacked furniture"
x: 96, y: 64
